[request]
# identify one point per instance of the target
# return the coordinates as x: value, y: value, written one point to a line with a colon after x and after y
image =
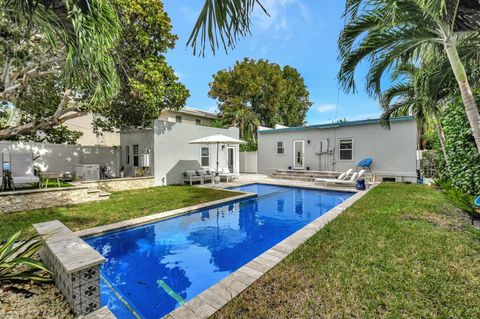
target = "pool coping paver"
x: 159, y: 216
x: 253, y: 270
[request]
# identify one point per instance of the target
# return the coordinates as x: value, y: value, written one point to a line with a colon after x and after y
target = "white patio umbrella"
x: 217, y: 139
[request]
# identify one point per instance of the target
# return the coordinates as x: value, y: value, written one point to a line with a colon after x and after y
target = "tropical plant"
x: 71, y: 39
x: 222, y: 23
x: 16, y: 262
x: 390, y: 32
x: 407, y: 98
x: 463, y: 159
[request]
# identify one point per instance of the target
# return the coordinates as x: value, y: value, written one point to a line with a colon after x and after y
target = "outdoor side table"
x: 46, y: 176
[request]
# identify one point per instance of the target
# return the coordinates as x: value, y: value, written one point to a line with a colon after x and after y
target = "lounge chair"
x: 225, y: 173
x: 191, y: 176
x: 341, y: 177
x: 21, y: 166
x: 350, y: 182
x: 365, y: 164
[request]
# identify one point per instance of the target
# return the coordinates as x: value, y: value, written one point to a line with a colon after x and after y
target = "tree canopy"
x: 131, y: 87
x: 256, y: 93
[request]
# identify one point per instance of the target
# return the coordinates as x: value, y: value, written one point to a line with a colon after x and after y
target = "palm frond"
x: 222, y: 23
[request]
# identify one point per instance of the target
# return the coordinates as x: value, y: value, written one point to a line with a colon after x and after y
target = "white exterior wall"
x: 170, y: 116
x: 248, y: 162
x: 84, y: 124
x: 173, y: 154
x: 393, y: 151
x: 63, y: 157
x: 144, y: 139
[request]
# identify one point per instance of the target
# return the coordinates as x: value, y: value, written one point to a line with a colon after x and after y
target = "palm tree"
x: 243, y: 118
x: 389, y: 32
x: 222, y: 22
x: 405, y: 98
x: 82, y: 35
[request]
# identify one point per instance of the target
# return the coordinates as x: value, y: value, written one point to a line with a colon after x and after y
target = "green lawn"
x: 121, y: 206
x: 402, y: 251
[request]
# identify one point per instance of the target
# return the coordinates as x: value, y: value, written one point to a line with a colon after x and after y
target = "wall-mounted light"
x: 223, y: 147
x: 308, y: 141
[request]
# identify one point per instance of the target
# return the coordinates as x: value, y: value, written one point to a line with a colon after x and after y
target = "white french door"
x: 298, y: 154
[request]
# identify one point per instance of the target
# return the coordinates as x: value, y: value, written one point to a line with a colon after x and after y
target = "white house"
x: 164, y: 150
x: 340, y: 146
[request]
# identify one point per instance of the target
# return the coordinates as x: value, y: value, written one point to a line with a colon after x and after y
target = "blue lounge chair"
x: 365, y: 164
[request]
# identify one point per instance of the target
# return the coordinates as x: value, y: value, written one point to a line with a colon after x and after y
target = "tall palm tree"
x: 388, y: 32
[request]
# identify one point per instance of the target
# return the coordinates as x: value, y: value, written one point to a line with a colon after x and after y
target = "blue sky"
x: 300, y: 33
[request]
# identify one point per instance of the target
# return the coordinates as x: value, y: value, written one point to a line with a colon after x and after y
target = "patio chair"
x: 350, y: 182
x: 365, y: 164
x: 341, y: 177
x: 205, y: 174
x: 225, y: 173
x: 191, y: 176
x: 21, y: 167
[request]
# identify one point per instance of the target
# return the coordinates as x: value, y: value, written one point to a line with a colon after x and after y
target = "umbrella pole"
x: 217, y: 158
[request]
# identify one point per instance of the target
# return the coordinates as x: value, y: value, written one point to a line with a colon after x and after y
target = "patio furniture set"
x: 208, y: 175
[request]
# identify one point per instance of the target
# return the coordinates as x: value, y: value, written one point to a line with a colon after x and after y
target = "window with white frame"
x: 280, y: 148
x: 178, y: 119
x: 198, y: 122
x: 135, y: 155
x: 205, y: 157
x: 127, y: 152
x: 346, y: 149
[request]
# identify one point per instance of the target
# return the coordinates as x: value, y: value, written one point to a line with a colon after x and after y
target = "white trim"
x: 353, y: 153
x: 303, y: 155
x: 201, y: 156
x: 276, y: 148
x: 233, y: 158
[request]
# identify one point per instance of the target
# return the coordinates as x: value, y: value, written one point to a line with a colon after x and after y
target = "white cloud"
x: 280, y: 13
x: 324, y: 108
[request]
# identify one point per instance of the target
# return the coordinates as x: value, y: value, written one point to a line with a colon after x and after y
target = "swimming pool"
x: 154, y: 268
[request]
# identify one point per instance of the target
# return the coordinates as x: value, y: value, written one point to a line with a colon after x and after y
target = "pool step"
x: 308, y: 176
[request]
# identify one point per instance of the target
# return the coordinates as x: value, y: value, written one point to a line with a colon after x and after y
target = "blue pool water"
x: 154, y: 268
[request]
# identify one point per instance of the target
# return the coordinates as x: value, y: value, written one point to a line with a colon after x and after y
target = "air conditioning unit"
x: 145, y: 160
x: 87, y: 172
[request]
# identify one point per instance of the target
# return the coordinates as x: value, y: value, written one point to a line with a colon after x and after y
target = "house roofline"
x: 192, y: 111
x: 335, y: 125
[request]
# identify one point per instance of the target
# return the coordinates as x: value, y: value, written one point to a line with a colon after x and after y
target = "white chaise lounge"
x: 343, y: 182
x: 21, y: 165
x: 225, y: 173
x: 341, y: 177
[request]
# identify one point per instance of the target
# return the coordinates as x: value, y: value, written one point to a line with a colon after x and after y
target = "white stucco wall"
x: 173, y: 154
x: 144, y: 139
x: 393, y: 151
x: 248, y: 162
x: 62, y: 157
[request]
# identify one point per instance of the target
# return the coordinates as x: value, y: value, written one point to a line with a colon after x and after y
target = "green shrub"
x: 16, y: 262
x: 463, y: 168
x: 460, y: 199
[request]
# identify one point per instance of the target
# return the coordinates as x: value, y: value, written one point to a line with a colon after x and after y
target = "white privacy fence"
x: 248, y: 162
x: 63, y: 158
